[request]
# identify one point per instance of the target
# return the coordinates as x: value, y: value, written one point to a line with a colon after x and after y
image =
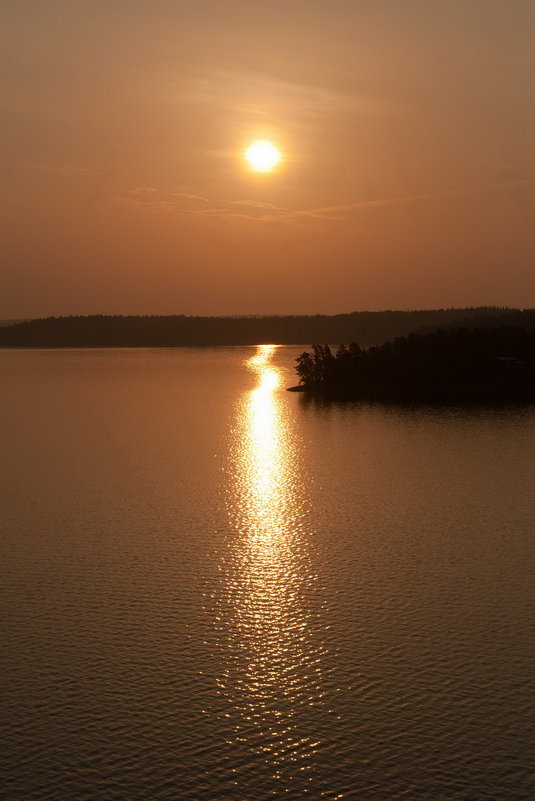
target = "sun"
x: 262, y: 156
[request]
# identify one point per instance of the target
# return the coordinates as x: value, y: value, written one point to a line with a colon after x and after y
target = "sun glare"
x: 262, y: 156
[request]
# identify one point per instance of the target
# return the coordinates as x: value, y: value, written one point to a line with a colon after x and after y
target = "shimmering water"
x: 213, y: 589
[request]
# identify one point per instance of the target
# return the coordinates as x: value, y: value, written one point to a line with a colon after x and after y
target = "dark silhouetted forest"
x: 371, y: 328
x: 476, y: 364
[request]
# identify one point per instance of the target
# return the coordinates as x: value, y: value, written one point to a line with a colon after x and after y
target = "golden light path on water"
x: 273, y: 675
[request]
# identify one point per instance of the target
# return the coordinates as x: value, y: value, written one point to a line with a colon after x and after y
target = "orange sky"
x: 407, y: 130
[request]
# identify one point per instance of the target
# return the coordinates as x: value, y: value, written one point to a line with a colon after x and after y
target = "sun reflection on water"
x: 273, y: 657
x: 261, y: 461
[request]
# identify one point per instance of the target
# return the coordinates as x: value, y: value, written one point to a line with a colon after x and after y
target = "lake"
x: 216, y: 589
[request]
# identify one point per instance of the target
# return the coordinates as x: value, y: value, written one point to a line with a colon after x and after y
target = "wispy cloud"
x: 156, y: 205
x: 141, y: 191
x: 261, y: 212
x: 401, y: 199
x: 257, y: 204
x: 262, y: 95
x: 188, y: 196
x: 153, y: 199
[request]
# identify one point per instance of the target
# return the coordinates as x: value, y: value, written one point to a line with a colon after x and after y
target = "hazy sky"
x: 406, y: 126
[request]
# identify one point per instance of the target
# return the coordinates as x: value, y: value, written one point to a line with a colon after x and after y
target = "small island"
x: 445, y: 366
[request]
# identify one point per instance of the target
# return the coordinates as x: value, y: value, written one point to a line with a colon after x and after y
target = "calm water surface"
x: 213, y: 589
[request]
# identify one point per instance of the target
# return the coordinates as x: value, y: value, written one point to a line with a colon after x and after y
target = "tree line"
x: 458, y: 364
x: 370, y: 328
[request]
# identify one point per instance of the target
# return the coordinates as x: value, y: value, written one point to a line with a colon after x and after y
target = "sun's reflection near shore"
x: 261, y: 460
x: 273, y: 659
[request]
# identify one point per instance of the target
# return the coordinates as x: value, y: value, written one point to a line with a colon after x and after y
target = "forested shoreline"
x: 370, y: 328
x: 480, y: 364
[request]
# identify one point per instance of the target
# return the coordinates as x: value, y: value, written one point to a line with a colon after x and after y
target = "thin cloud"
x: 238, y: 91
x: 141, y: 190
x: 158, y: 205
x: 257, y: 204
x: 187, y: 196
x: 157, y: 199
x: 150, y: 198
x: 327, y: 211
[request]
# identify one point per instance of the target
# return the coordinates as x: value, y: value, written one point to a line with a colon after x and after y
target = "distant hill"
x: 367, y: 328
x: 505, y: 318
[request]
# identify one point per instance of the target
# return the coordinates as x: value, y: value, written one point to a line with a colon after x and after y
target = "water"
x: 213, y: 589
